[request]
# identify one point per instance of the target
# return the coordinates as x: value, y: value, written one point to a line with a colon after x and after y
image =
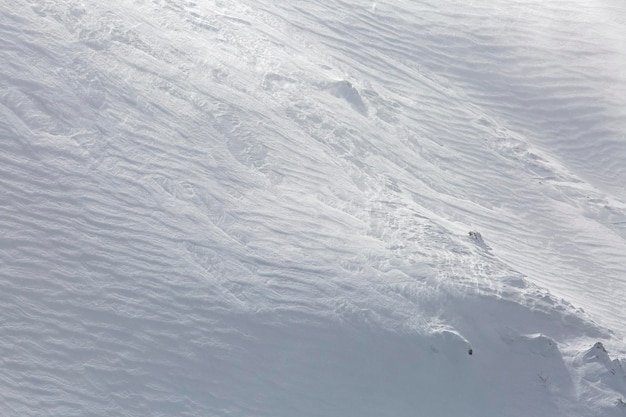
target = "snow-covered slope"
x: 310, y: 208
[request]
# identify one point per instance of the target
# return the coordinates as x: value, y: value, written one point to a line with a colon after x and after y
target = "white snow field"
x: 312, y: 208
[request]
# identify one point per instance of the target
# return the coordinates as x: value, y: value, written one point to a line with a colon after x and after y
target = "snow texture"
x: 309, y: 208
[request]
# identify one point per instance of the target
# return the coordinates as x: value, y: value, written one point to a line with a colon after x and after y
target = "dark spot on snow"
x: 600, y: 346
x: 470, y: 352
x: 477, y: 238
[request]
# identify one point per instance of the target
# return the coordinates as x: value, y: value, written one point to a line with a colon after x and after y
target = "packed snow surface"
x: 312, y: 208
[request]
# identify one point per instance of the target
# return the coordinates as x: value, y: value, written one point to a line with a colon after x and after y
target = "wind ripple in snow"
x: 262, y: 209
x: 534, y: 153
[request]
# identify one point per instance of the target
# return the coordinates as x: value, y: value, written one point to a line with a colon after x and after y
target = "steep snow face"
x: 312, y: 208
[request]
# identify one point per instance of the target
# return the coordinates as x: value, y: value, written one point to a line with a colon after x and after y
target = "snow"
x: 312, y: 208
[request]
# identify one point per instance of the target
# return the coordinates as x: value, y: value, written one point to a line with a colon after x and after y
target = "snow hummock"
x: 312, y: 208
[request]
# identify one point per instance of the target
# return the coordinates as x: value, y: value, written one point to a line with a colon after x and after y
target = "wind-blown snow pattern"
x: 309, y: 208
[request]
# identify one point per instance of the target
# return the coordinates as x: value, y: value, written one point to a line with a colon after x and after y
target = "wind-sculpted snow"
x: 312, y: 208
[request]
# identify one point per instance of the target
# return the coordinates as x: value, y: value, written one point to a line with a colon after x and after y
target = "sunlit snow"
x: 309, y: 208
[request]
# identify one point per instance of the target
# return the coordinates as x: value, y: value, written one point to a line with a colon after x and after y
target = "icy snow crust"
x: 262, y: 208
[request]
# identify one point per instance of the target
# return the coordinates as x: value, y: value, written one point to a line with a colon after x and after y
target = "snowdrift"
x: 310, y: 209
